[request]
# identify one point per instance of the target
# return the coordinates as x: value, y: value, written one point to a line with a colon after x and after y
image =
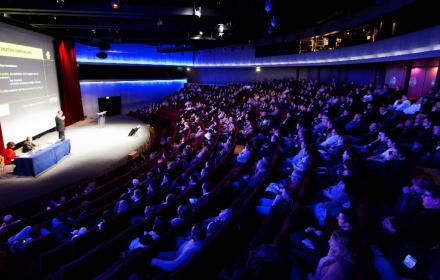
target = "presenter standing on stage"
x: 59, y: 122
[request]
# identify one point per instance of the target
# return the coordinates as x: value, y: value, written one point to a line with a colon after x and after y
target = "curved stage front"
x: 94, y: 150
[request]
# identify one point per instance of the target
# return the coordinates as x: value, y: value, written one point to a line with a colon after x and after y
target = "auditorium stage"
x: 94, y: 151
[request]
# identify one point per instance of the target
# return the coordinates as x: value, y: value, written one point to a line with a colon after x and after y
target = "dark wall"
x: 234, y: 75
x: 122, y: 72
x: 358, y: 73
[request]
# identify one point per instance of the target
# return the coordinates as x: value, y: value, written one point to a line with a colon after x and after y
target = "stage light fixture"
x: 268, y: 6
x: 115, y: 5
x: 258, y: 69
x: 198, y: 11
x: 270, y: 30
x: 220, y: 28
x: 188, y: 69
x: 273, y: 21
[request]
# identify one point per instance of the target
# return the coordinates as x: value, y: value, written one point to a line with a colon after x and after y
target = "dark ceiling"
x: 172, y: 22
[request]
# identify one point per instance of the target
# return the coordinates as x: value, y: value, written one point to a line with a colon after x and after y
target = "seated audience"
x: 170, y: 261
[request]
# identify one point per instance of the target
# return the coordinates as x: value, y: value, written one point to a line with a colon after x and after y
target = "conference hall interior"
x: 226, y: 139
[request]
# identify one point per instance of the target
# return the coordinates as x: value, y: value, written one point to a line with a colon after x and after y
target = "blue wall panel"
x: 134, y: 94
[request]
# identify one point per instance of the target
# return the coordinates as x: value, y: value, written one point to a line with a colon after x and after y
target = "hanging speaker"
x: 101, y: 55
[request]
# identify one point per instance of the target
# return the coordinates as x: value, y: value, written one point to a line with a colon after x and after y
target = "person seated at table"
x: 9, y: 153
x: 29, y: 145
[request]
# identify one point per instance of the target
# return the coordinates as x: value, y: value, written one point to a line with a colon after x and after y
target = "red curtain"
x: 70, y: 92
x: 2, y: 143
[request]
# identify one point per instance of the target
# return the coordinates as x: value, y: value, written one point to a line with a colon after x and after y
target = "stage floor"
x: 94, y: 150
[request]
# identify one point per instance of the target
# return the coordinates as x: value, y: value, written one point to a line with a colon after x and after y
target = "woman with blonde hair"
x: 340, y: 261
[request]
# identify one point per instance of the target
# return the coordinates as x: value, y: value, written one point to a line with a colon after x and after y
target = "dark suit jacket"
x: 59, y: 123
x: 28, y: 146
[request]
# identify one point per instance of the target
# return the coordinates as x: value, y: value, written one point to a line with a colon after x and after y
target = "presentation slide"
x: 29, y: 97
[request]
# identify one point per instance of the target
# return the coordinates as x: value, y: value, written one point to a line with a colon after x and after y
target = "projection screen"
x: 29, y: 95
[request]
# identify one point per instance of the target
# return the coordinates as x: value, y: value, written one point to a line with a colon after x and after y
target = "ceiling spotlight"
x: 200, y: 33
x: 270, y: 30
x: 258, y: 69
x: 220, y: 28
x: 268, y: 6
x: 115, y: 5
x: 273, y: 21
x: 198, y: 11
x: 188, y: 69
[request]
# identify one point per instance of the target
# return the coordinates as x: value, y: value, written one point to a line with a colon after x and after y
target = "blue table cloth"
x: 35, y: 162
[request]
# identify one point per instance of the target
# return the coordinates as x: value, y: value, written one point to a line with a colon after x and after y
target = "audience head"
x: 427, y: 123
x: 372, y: 127
x: 193, y: 178
x: 137, y: 194
x: 346, y: 219
x: 8, y: 219
x: 262, y: 165
x: 431, y: 197
x: 85, y: 205
x: 183, y: 211
x: 225, y: 214
x: 10, y: 145
x: 135, y: 182
x: 148, y: 211
x: 206, y: 187
x: 436, y: 130
x: 78, y: 232
x: 198, y: 232
x: 341, y: 244
x: 122, y: 206
x: 420, y: 183
x: 107, y: 215
x: 170, y: 198
x: 213, y: 227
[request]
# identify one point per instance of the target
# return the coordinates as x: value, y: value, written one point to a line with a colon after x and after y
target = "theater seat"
x: 2, y: 166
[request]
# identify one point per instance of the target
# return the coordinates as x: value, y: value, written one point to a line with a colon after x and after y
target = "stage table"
x: 35, y: 162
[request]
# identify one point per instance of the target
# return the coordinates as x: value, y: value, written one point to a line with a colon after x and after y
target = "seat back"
x: 2, y: 166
